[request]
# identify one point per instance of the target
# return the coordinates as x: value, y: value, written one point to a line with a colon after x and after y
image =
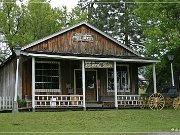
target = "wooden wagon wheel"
x: 142, y: 102
x: 156, y: 101
x: 168, y: 102
x: 176, y: 103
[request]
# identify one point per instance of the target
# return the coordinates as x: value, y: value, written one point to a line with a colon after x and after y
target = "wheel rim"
x: 176, y: 103
x: 156, y: 101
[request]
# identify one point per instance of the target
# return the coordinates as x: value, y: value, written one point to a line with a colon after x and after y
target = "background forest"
x: 150, y: 28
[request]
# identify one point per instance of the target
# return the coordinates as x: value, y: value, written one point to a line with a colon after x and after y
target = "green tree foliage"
x: 10, y: 20
x: 76, y: 16
x: 161, y: 26
x: 24, y: 23
x: 116, y: 18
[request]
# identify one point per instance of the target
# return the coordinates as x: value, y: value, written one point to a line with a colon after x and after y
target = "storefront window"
x: 46, y: 75
x: 122, y: 79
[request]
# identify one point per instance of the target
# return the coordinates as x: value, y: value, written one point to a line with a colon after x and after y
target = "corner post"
x: 115, y: 85
x: 33, y: 84
x: 154, y: 77
x: 15, y: 103
x: 83, y: 84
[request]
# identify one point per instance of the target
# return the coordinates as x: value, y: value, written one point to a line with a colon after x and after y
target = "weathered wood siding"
x: 27, y: 78
x: 65, y: 44
x: 7, y: 78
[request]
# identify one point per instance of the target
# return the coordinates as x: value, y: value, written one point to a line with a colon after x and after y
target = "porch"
x: 58, y: 83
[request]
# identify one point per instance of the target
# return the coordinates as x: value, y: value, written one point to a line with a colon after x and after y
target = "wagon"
x: 157, y: 101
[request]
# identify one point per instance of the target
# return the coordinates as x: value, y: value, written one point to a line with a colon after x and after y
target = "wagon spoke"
x: 156, y: 101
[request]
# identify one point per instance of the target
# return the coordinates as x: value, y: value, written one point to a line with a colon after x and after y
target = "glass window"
x: 46, y: 75
x: 122, y: 79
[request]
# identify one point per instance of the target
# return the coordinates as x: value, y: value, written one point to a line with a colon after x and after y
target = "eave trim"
x: 89, y: 58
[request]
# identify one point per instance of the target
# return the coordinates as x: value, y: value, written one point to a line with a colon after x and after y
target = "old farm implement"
x: 157, y: 101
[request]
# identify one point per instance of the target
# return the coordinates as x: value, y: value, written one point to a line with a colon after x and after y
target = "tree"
x: 116, y: 18
x: 24, y: 23
x: 76, y: 16
x: 10, y: 21
x: 161, y: 24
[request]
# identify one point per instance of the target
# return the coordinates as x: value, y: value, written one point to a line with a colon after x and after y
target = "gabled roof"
x: 75, y: 26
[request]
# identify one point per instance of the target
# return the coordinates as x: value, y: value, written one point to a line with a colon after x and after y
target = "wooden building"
x: 79, y: 66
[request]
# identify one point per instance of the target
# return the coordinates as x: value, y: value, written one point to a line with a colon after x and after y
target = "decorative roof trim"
x: 72, y: 27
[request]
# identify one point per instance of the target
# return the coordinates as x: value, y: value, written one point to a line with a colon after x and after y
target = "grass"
x: 125, y: 120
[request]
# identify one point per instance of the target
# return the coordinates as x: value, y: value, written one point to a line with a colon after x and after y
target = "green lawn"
x: 125, y: 120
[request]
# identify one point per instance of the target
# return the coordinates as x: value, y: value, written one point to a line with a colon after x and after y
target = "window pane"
x: 122, y: 79
x: 47, y: 76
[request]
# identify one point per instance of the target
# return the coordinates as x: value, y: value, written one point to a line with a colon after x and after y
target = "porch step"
x: 93, y: 105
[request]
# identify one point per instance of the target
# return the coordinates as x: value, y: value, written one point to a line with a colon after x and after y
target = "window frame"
x: 59, y: 78
x: 118, y: 90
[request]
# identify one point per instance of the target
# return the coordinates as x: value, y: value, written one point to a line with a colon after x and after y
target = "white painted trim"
x: 33, y: 82
x: 115, y: 84
x: 90, y: 58
x: 83, y: 84
x: 154, y: 77
x: 16, y: 82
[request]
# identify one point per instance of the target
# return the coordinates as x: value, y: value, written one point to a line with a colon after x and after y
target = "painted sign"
x: 98, y: 65
x: 82, y: 37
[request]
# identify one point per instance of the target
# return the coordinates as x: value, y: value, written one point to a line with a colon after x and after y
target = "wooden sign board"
x: 82, y: 37
x: 98, y: 65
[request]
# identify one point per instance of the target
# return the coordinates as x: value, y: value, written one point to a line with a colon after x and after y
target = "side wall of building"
x: 7, y: 78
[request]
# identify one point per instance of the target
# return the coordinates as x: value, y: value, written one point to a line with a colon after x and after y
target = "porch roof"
x: 89, y: 57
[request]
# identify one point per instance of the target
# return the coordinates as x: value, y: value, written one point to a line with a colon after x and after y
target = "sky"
x: 58, y: 3
x: 68, y: 3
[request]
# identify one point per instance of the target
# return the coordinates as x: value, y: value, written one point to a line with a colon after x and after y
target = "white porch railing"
x: 58, y: 101
x: 128, y: 100
x: 6, y: 103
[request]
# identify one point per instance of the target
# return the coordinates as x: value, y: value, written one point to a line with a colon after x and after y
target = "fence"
x: 6, y: 103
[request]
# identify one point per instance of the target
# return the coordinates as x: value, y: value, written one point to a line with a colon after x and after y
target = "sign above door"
x: 93, y: 64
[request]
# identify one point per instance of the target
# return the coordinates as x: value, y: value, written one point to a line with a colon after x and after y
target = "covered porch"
x: 54, y: 81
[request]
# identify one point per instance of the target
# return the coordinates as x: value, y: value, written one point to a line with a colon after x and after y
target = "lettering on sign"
x: 82, y: 37
x: 98, y: 65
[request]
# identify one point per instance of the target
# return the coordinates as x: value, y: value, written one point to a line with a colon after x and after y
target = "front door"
x: 90, y: 84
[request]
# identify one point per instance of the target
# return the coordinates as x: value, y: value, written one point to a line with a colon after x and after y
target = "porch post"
x: 115, y: 85
x: 15, y: 103
x: 33, y: 84
x: 154, y: 77
x: 83, y: 84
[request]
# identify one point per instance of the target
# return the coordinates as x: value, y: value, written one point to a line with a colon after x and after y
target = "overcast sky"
x: 69, y: 3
